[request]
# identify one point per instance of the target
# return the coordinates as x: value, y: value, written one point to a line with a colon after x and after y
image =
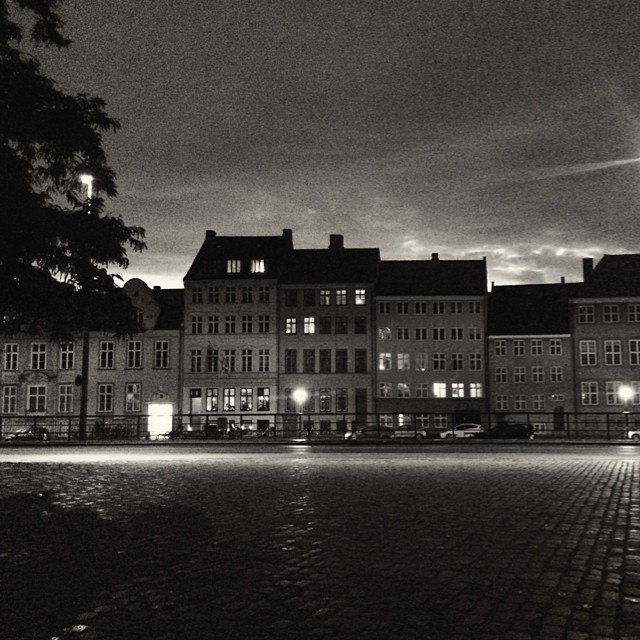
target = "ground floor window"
x: 65, y: 398
x: 10, y: 399
x: 132, y: 398
x: 105, y: 398
x: 37, y: 399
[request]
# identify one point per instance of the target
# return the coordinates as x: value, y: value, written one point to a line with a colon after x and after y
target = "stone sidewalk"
x: 500, y: 544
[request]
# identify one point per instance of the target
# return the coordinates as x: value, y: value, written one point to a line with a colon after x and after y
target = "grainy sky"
x: 500, y: 128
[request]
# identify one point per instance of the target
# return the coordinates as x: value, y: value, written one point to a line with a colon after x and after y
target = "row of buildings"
x: 261, y: 328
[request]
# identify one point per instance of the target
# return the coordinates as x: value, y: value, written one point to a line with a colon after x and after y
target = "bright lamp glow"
x: 300, y: 396
x: 87, y: 180
x: 625, y: 393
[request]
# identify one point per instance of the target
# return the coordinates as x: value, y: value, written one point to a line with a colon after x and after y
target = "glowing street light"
x: 87, y: 180
x: 625, y: 393
x: 300, y: 396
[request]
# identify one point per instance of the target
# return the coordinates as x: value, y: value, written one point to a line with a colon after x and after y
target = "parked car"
x: 508, y: 431
x: 40, y: 433
x: 370, y: 433
x: 409, y: 431
x: 633, y: 434
x: 466, y: 430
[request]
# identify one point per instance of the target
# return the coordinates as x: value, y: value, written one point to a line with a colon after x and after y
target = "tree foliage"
x: 56, y: 247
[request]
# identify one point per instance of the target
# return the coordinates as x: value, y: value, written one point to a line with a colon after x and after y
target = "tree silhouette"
x: 56, y: 245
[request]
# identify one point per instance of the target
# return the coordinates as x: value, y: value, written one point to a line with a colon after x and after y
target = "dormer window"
x: 233, y: 266
x: 257, y: 266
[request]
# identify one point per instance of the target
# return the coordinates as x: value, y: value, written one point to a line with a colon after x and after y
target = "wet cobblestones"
x: 323, y: 544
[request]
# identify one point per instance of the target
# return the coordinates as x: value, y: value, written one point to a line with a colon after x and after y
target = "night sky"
x: 500, y: 128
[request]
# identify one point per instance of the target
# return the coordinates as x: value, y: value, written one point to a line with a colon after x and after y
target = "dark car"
x: 372, y: 433
x: 40, y: 433
x: 508, y: 431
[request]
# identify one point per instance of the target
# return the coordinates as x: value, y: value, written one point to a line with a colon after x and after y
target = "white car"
x: 633, y: 434
x: 467, y: 430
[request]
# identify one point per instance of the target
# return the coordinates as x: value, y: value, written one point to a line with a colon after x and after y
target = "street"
x: 509, y: 541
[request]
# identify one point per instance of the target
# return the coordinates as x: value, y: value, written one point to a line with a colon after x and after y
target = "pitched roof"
x: 432, y: 278
x: 332, y: 265
x: 614, y: 276
x: 530, y: 309
x: 210, y: 261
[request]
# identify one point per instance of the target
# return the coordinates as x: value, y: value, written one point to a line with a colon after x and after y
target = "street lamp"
x: 300, y: 396
x: 626, y: 393
x: 87, y: 180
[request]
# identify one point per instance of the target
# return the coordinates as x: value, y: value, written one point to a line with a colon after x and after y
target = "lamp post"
x: 87, y: 180
x: 626, y: 393
x: 300, y: 396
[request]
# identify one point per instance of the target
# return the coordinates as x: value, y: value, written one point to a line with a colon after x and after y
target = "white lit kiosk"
x: 160, y: 412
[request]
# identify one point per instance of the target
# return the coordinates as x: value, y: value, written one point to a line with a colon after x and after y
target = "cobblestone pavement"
x: 508, y: 543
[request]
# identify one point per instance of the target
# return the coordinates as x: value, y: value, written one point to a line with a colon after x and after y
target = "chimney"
x: 287, y: 234
x: 211, y: 233
x: 435, y: 257
x: 561, y: 279
x: 336, y: 241
x: 156, y: 287
x: 587, y: 268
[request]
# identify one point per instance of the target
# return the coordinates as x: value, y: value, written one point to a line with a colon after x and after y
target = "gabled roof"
x: 613, y: 277
x: 530, y: 309
x: 210, y: 262
x: 171, y: 308
x: 432, y: 278
x: 332, y: 265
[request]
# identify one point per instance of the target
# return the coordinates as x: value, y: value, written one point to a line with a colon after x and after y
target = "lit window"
x: 310, y: 324
x: 360, y: 296
x: 440, y: 389
x: 341, y: 297
x: 384, y: 361
x: 457, y: 389
x: 132, y: 396
x: 246, y: 399
x: 403, y: 390
x: 257, y: 266
x: 263, y: 398
x: 403, y: 362
x: 229, y: 399
x: 233, y: 266
x: 384, y: 390
x: 290, y: 325
x: 325, y: 297
x: 475, y: 390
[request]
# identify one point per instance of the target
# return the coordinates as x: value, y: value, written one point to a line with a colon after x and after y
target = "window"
x: 229, y: 360
x: 341, y: 360
x: 475, y: 333
x: 106, y: 356
x: 475, y: 361
x: 263, y: 324
x: 211, y: 399
x: 360, y: 361
x: 501, y: 374
x: 538, y: 402
x: 422, y: 390
x: 36, y: 398
x: 403, y: 390
x: 213, y: 324
x: 196, y: 323
x: 161, y: 354
x: 264, y: 402
x: 612, y: 352
x: 228, y: 399
x: 246, y: 360
x: 246, y: 399
x: 438, y: 308
x: 586, y: 314
x: 587, y: 350
x: 610, y: 313
x: 65, y: 398
x: 384, y: 389
x: 290, y: 298
x: 439, y: 361
x: 233, y: 266
x: 308, y: 361
x: 518, y: 347
x: 132, y: 395
x: 230, y: 295
x: 500, y: 347
x: 247, y: 295
x: 557, y: 374
x: 247, y: 324
x: 384, y: 307
x: 258, y: 266
x: 229, y: 324
x: 341, y: 297
x: 457, y: 389
x: 422, y: 333
x: 264, y: 360
x: 196, y: 295
x: 421, y: 308
x: 342, y: 324
x: 325, y: 297
x: 439, y: 390
x: 634, y: 352
x: 290, y: 325
x: 519, y: 375
x: 39, y: 355
x: 555, y: 347
x: 520, y: 402
x: 633, y: 312
x: 403, y: 362
x: 10, y: 357
x: 611, y: 392
x: 402, y: 308
x: 105, y: 398
x: 502, y: 403
x: 9, y: 398
x: 291, y: 361
x: 360, y: 325
x: 325, y: 360
x: 384, y: 333
x: 475, y: 390
x: 325, y: 400
x: 457, y: 361
x: 341, y: 400
x: 384, y: 361
x: 457, y: 333
x: 589, y: 393
x: 438, y: 333
x: 360, y: 296
x: 309, y: 297
x: 537, y: 374
x: 403, y: 333
x: 264, y: 294
x: 67, y: 353
x: 213, y: 295
x: 456, y: 307
x: 324, y: 325
x: 536, y: 347
x: 309, y: 325
x: 474, y: 306
x: 213, y: 360
x: 196, y: 360
x: 421, y: 361
x: 134, y: 354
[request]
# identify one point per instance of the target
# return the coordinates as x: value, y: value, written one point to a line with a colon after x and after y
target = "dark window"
x: 360, y: 324
x: 309, y: 361
x: 360, y: 360
x: 324, y: 324
x: 342, y: 324
x: 290, y: 298
x: 341, y: 361
x: 309, y: 297
x: 291, y: 361
x: 325, y: 360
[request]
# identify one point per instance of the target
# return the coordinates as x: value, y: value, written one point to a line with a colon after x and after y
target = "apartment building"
x: 531, y: 352
x: 430, y: 340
